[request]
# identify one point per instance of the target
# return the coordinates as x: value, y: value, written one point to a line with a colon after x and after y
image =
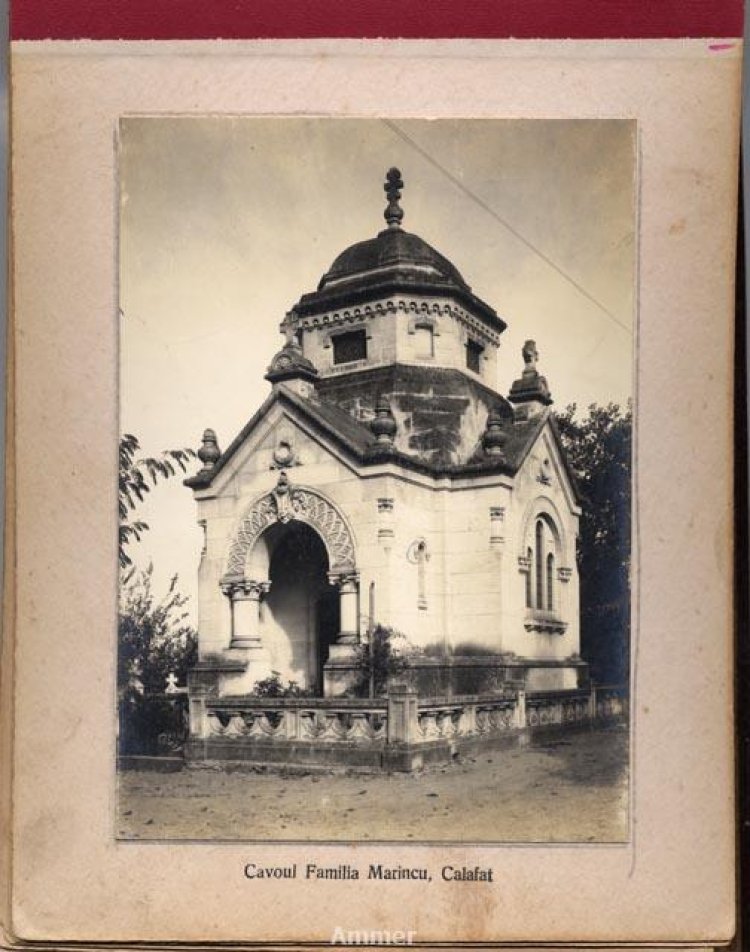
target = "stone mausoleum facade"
x: 385, y: 480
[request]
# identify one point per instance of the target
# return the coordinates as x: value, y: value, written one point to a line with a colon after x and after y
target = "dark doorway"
x: 329, y: 625
x: 291, y: 625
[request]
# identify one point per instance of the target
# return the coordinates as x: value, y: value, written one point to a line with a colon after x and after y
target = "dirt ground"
x: 568, y: 789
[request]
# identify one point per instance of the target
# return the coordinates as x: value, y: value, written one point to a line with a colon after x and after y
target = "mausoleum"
x: 386, y: 481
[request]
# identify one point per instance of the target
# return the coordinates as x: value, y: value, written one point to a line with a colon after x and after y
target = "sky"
x: 226, y: 221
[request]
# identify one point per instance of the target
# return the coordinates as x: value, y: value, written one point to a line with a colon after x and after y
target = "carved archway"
x: 282, y: 504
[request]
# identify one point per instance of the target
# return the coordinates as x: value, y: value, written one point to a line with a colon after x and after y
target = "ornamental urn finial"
x: 209, y: 452
x: 393, y: 213
x: 493, y: 438
x: 383, y: 424
x: 530, y: 391
x: 290, y: 364
x: 530, y: 355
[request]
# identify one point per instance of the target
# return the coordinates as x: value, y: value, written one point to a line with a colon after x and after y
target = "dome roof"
x: 393, y: 262
x: 392, y: 250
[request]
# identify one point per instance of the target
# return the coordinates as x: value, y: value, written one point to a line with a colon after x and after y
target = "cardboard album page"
x: 409, y: 364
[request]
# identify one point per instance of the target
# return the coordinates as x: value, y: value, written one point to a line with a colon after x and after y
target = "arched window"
x: 550, y: 582
x: 529, y: 561
x: 539, y: 564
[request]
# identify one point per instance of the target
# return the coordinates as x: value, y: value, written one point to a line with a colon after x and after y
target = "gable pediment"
x: 545, y: 464
x: 283, y: 434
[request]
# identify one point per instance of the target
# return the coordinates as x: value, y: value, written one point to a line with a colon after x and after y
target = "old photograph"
x: 375, y: 479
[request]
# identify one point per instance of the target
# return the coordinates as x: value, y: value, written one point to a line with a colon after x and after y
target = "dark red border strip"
x: 283, y: 19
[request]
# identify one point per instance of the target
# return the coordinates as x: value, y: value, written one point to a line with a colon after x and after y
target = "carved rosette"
x: 284, y: 503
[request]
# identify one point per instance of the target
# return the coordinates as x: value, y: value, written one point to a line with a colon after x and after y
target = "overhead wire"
x: 506, y: 224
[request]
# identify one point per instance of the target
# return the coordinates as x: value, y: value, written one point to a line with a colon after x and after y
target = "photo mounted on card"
x: 403, y: 353
x: 414, y: 622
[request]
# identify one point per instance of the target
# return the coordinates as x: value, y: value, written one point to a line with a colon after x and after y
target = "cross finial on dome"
x: 392, y: 188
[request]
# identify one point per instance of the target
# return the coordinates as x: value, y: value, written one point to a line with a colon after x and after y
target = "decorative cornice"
x: 418, y: 308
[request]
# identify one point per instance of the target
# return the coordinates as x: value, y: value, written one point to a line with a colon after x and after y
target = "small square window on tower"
x: 474, y: 351
x: 349, y: 346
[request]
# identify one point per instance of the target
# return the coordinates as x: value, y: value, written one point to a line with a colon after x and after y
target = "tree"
x: 598, y: 447
x: 153, y: 638
x: 153, y: 635
x: 134, y: 476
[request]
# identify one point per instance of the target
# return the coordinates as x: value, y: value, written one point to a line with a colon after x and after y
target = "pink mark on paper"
x: 719, y: 47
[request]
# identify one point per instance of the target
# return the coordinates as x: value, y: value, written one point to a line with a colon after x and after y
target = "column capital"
x: 343, y: 579
x: 245, y: 589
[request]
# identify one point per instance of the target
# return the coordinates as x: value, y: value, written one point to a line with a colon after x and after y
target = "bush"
x: 437, y: 650
x: 273, y: 686
x: 385, y: 656
x: 470, y: 649
x: 152, y: 724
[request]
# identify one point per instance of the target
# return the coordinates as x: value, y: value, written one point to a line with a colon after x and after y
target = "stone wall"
x: 445, y: 556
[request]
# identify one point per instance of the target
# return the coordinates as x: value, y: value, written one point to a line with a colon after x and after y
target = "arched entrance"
x: 300, y: 616
x: 292, y: 585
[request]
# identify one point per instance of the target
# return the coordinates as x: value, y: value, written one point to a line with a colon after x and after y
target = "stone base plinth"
x: 341, y: 673
x: 256, y: 667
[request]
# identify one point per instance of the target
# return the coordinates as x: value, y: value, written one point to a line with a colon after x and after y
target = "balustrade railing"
x: 299, y: 719
x: 402, y: 717
x: 557, y: 707
x: 609, y: 701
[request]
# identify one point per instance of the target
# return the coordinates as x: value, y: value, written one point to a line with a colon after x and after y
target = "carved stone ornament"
x: 418, y: 551
x: 209, y: 451
x: 494, y: 438
x: 530, y: 355
x: 383, y: 425
x: 531, y: 385
x: 342, y: 579
x: 393, y: 213
x: 285, y: 503
x: 284, y: 455
x: 544, y: 475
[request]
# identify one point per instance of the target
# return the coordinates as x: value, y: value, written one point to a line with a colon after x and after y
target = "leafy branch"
x: 137, y: 476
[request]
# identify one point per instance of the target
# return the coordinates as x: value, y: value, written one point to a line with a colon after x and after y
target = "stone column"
x: 247, y: 658
x: 340, y: 671
x: 246, y: 596
x: 348, y: 586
